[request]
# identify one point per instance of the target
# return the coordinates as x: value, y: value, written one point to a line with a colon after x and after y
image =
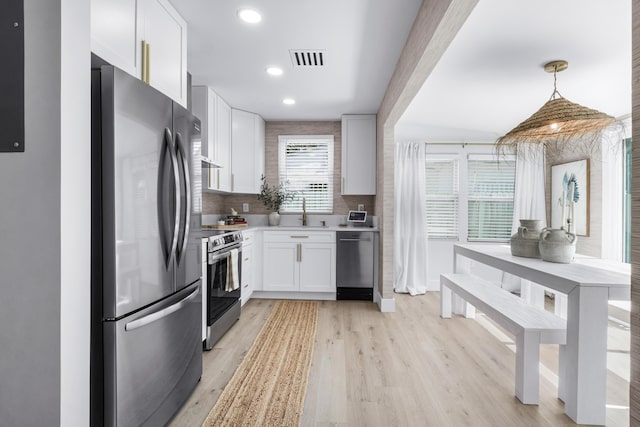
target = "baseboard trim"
x: 386, y: 305
x: 327, y: 296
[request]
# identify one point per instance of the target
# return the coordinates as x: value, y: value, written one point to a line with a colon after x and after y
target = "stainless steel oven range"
x: 224, y: 266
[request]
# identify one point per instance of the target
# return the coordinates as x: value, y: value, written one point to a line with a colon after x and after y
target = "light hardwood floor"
x: 411, y: 368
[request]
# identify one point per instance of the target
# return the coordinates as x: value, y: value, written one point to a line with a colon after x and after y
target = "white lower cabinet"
x: 299, y: 261
x: 248, y: 267
x: 317, y: 267
x: 247, y: 273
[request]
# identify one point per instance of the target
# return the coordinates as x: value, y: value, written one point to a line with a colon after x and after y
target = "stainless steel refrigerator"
x: 146, y: 349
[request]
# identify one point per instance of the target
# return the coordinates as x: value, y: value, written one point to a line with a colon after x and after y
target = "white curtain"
x: 529, y: 197
x: 410, y: 229
x: 613, y: 194
x: 528, y: 203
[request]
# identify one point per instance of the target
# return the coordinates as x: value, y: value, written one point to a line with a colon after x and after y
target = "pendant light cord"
x: 555, y: 81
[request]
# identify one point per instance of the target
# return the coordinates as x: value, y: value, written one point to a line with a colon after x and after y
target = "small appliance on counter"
x: 358, y: 219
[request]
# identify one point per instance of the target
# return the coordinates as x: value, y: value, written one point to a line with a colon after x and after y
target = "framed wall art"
x: 570, y: 196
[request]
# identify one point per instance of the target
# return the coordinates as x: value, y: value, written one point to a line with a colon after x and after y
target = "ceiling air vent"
x: 307, y: 58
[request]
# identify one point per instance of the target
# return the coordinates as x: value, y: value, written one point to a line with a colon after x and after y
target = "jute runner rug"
x: 269, y: 386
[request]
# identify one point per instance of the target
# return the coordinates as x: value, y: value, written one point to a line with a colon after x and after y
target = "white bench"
x: 530, y: 325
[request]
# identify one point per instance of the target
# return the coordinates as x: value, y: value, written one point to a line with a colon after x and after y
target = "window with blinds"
x: 441, y: 186
x: 490, y: 190
x: 305, y: 164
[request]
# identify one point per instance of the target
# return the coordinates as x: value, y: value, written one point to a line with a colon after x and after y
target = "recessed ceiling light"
x: 288, y: 101
x: 274, y: 71
x: 249, y: 15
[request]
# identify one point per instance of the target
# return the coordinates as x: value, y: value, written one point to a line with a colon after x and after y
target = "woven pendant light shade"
x: 558, y: 120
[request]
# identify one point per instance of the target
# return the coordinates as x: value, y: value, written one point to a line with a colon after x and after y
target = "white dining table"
x: 589, y: 284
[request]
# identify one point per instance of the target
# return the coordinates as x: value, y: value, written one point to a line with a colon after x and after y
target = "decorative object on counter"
x: 221, y: 222
x: 557, y: 245
x: 273, y: 198
x: 570, y: 197
x: 524, y: 243
x: 560, y: 125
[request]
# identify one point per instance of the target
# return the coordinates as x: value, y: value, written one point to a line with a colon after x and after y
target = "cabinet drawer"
x: 300, y: 236
x: 248, y: 237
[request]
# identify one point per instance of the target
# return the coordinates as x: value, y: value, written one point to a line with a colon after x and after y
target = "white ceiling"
x: 489, y: 80
x: 491, y: 77
x: 362, y: 38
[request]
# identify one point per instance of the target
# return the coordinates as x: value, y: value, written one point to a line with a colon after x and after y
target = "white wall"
x: 44, y: 233
x: 75, y: 208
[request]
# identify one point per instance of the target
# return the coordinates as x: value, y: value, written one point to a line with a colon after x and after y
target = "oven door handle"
x: 225, y: 254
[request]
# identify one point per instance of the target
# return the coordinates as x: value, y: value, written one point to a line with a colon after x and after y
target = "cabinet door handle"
x: 233, y: 182
x: 246, y: 259
x: 298, y: 252
x: 342, y: 185
x: 246, y: 286
x: 148, y: 64
x: 143, y: 57
x: 218, y: 170
x: 146, y: 58
x: 299, y: 237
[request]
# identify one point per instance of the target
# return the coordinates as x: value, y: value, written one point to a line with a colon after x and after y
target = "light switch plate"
x: 245, y: 207
x: 360, y: 207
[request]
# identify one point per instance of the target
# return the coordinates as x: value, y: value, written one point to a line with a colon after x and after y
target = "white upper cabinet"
x: 118, y: 30
x: 223, y: 144
x: 215, y: 116
x: 113, y: 33
x: 247, y: 152
x: 165, y: 33
x: 359, y: 154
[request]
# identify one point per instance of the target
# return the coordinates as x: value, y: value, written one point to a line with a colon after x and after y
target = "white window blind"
x: 441, y: 186
x: 491, y: 185
x: 306, y: 166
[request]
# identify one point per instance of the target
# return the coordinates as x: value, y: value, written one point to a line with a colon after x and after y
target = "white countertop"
x: 294, y: 228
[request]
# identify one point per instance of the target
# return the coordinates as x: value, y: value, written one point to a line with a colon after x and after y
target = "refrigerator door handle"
x: 143, y: 321
x: 176, y: 195
x: 187, y: 186
x: 171, y: 250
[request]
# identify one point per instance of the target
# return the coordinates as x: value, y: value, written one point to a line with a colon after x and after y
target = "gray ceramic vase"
x: 524, y: 243
x: 557, y: 245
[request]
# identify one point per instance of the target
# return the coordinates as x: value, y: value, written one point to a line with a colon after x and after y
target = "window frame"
x: 455, y: 195
x: 295, y: 206
x: 462, y: 151
x: 478, y: 199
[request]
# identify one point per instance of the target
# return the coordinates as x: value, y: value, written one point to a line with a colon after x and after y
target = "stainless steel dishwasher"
x: 355, y: 264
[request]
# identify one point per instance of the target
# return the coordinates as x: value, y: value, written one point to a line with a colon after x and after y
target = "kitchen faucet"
x: 304, y: 211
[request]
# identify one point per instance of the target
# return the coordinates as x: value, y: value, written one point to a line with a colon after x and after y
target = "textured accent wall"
x: 634, y: 393
x: 217, y: 203
x: 436, y: 24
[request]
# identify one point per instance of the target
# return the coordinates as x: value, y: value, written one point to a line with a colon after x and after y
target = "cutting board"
x: 225, y: 227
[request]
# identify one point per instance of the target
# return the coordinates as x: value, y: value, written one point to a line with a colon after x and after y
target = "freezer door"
x: 153, y: 360
x: 139, y: 175
x: 188, y: 149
